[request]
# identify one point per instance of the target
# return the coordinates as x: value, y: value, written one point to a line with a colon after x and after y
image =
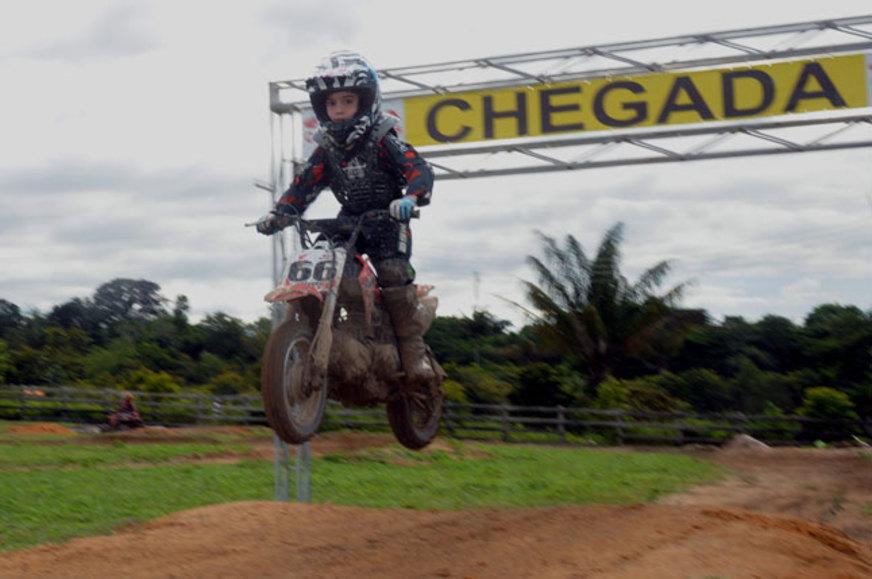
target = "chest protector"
x: 357, y: 179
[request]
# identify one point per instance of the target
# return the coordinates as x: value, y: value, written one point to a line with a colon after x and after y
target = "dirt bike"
x: 337, y: 341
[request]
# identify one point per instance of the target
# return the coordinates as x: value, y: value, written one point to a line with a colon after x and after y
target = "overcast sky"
x: 131, y: 133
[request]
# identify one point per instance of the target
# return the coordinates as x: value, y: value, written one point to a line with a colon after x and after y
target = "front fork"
x: 319, y: 354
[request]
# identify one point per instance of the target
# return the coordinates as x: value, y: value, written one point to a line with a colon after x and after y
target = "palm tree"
x: 588, y: 310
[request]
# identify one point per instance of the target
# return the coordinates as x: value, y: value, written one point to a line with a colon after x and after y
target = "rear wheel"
x: 414, y: 415
x: 293, y: 412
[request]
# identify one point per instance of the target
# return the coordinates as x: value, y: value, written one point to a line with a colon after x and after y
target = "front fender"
x: 292, y: 292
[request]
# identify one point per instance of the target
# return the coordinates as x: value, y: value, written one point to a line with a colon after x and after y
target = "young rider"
x: 366, y: 165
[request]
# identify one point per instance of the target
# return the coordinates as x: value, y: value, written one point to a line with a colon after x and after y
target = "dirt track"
x: 765, y: 521
x: 283, y: 540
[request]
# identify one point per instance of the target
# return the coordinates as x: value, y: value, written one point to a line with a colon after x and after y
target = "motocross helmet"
x: 346, y: 71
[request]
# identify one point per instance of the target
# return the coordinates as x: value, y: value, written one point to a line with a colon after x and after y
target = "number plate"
x: 313, y: 268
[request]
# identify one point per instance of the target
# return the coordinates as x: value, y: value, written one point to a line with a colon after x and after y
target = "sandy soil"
x: 41, y: 428
x: 784, y: 513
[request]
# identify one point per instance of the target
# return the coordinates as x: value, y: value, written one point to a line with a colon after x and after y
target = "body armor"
x: 358, y: 180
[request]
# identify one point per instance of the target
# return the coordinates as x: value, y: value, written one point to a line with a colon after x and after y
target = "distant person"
x: 363, y: 161
x: 127, y: 416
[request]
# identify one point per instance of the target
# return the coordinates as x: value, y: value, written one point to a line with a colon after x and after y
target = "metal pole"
x: 280, y: 179
x: 304, y: 473
x: 476, y: 282
x: 282, y: 462
x: 281, y: 453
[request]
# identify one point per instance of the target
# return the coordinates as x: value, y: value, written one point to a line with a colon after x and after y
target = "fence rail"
x: 505, y: 422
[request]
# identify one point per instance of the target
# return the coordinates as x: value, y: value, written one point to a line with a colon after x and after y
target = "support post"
x: 282, y: 463
x: 504, y: 422
x: 619, y: 429
x: 304, y: 473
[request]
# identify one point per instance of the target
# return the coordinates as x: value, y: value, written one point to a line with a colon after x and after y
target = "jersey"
x: 369, y: 177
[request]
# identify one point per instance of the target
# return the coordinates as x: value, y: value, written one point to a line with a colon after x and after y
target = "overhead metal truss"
x: 615, y: 147
x: 621, y: 58
x: 657, y: 146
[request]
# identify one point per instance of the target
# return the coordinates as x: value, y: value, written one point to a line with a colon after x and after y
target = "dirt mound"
x: 830, y: 486
x: 41, y: 428
x: 262, y: 539
x: 745, y: 443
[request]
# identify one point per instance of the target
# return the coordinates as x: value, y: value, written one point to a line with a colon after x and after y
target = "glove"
x: 272, y: 222
x: 401, y: 209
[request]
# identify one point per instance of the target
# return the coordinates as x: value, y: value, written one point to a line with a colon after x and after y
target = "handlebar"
x: 349, y: 221
x: 340, y: 222
x: 345, y: 226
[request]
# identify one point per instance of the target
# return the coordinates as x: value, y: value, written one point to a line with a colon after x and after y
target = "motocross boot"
x: 402, y: 305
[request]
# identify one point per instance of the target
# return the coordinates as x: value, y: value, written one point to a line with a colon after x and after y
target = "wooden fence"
x: 551, y: 424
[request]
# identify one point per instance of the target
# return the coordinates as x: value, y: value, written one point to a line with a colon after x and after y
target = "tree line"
x: 128, y: 336
x: 592, y: 338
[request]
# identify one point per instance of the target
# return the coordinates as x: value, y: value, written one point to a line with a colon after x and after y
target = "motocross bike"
x: 337, y: 340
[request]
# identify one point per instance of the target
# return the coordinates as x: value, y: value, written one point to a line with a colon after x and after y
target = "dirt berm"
x: 268, y: 539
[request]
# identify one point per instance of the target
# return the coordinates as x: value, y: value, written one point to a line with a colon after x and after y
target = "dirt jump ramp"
x: 268, y: 539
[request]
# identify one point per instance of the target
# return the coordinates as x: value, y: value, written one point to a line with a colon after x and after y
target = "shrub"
x: 540, y: 385
x: 145, y: 380
x: 833, y: 412
x: 479, y: 384
x: 773, y: 428
x: 5, y: 361
x: 639, y: 395
x: 705, y: 390
x: 454, y: 392
x: 228, y: 383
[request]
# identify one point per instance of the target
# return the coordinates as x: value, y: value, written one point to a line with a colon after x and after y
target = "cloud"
x: 118, y: 32
x: 742, y: 232
x: 60, y: 178
x: 730, y: 300
x: 802, y: 289
x: 66, y: 176
x: 301, y: 24
x: 85, y: 223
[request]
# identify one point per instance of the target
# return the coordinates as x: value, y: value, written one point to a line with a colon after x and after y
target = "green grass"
x: 23, y: 455
x: 54, y: 505
x: 52, y: 492
x: 518, y: 435
x: 507, y: 476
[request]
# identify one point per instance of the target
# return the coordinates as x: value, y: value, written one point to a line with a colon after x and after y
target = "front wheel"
x: 293, y: 412
x: 414, y: 415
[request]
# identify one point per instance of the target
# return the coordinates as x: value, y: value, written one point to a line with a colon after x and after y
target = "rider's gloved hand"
x: 273, y: 222
x: 401, y: 209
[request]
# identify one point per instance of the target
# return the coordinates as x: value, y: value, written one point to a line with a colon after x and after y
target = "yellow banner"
x: 731, y: 94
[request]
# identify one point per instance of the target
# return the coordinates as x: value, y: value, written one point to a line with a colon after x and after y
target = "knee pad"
x: 395, y: 272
